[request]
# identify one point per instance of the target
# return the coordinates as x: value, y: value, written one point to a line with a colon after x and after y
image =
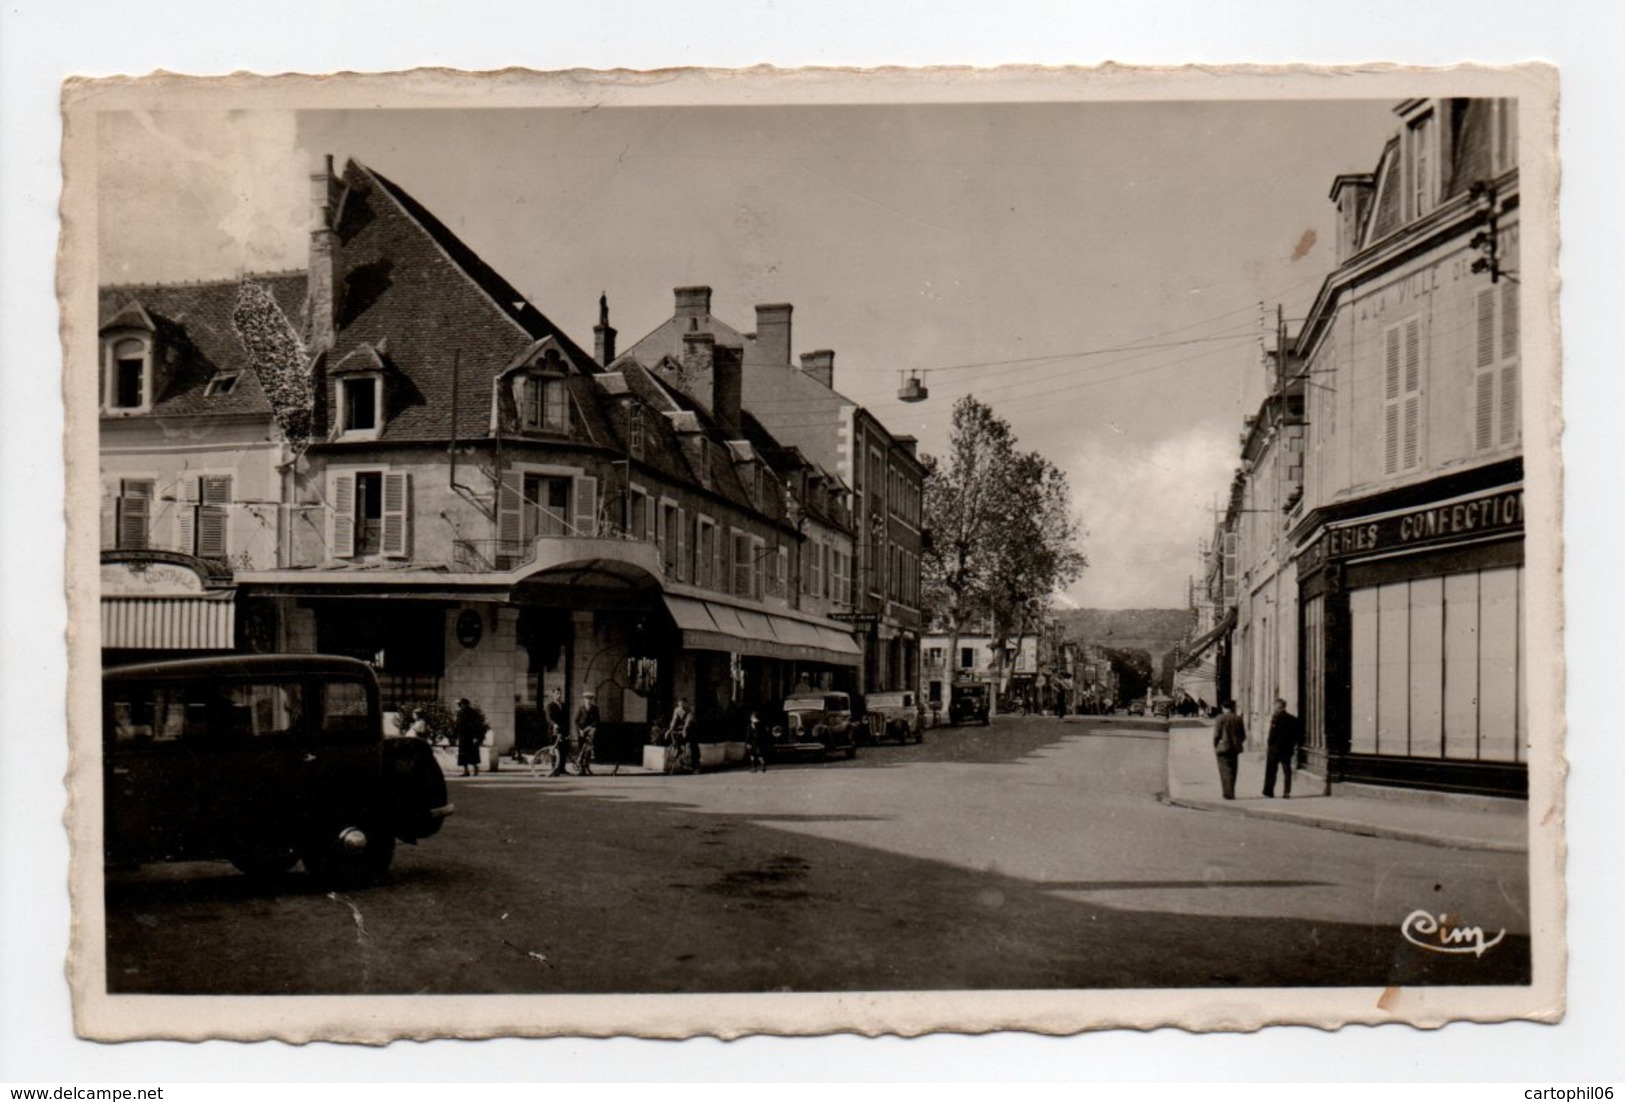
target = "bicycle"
x: 584, y: 754
x: 544, y: 761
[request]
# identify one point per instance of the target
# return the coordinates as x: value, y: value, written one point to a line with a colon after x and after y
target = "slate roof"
x: 194, y: 321
x: 1467, y: 162
x: 666, y: 339
x: 400, y: 274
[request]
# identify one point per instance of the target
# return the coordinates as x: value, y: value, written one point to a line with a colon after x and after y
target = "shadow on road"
x: 531, y: 892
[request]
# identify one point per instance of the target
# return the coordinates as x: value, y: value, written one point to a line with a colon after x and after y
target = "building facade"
x: 1371, y: 560
x: 877, y: 585
x: 447, y: 486
x: 1409, y: 537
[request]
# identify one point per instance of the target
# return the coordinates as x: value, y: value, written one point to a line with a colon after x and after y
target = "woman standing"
x: 469, y: 729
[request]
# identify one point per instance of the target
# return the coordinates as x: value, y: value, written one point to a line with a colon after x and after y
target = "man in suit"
x: 1281, y: 747
x: 1229, y: 737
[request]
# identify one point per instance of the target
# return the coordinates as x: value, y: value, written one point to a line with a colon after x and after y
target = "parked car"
x: 895, y: 715
x: 1162, y: 706
x: 968, y: 702
x: 817, y: 723
x: 1136, y: 707
x: 264, y: 760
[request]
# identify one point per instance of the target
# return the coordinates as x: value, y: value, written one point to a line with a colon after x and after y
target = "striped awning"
x: 711, y: 625
x: 169, y: 623
x: 1197, y: 647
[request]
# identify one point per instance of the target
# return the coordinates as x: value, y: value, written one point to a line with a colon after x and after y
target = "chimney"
x: 772, y: 345
x: 699, y: 352
x: 908, y: 445
x: 727, y: 386
x: 603, y: 337
x: 1352, y: 194
x: 323, y: 192
x: 820, y: 365
x: 693, y: 302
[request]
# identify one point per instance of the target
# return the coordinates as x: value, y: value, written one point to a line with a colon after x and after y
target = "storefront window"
x: 1437, y: 667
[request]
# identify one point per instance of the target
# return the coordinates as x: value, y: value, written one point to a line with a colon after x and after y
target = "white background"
x: 42, y: 42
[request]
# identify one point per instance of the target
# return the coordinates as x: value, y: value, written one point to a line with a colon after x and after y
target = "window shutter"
x: 341, y: 521
x: 1486, y: 328
x: 509, y: 512
x: 552, y: 409
x: 135, y: 497
x: 186, y: 517
x: 213, y: 515
x: 397, y: 541
x: 1509, y: 320
x: 521, y: 400
x: 650, y: 527
x: 1511, y: 427
x: 1413, y: 432
x: 1484, y: 411
x: 682, y: 544
x: 1390, y: 395
x: 1413, y: 394
x: 1413, y: 356
x: 719, y: 558
x: 586, y: 506
x: 109, y: 517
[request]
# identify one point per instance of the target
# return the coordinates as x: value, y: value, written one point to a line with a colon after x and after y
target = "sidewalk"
x: 1193, y: 782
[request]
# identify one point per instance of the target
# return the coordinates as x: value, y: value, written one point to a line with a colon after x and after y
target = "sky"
x: 1100, y: 274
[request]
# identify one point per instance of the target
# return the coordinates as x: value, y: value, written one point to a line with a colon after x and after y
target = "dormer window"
x: 544, y: 403
x: 358, y: 395
x: 1422, y: 163
x: 127, y: 386
x: 635, y: 430
x: 358, y: 404
x: 221, y: 385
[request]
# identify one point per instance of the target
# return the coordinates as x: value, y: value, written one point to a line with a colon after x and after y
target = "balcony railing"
x: 504, y: 556
x: 491, y: 556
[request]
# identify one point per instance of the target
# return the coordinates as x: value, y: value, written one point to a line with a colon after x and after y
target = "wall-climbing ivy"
x: 279, y: 359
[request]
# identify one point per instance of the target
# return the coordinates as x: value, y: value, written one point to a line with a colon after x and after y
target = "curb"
x: 1347, y: 826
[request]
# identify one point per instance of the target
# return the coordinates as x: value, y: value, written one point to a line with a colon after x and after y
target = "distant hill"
x: 1156, y: 630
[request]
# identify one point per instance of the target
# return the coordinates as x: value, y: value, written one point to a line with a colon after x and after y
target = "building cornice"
x: 1446, y: 222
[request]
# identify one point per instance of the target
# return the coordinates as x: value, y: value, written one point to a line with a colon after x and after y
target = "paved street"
x: 1030, y: 854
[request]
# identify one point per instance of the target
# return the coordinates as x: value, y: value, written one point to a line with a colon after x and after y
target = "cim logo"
x: 1436, y: 934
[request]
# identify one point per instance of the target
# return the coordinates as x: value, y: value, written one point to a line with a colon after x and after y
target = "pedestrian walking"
x: 586, y: 731
x: 1281, y: 749
x: 756, y: 743
x: 558, y: 729
x: 1229, y: 737
x: 469, y: 729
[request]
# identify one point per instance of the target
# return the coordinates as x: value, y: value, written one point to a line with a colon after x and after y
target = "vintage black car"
x: 264, y: 760
x: 969, y: 702
x: 818, y: 724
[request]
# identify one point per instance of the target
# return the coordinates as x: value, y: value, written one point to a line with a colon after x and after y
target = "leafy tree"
x: 1002, y: 533
x: 1133, y: 668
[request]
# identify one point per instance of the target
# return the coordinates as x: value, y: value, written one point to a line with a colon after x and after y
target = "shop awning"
x: 1200, y: 645
x: 169, y: 623
x: 711, y: 625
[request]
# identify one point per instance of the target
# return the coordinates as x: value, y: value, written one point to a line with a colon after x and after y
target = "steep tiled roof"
x: 401, y: 275
x: 194, y: 321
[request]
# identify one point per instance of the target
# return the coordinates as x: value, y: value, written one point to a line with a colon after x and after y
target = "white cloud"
x: 1146, y: 504
x: 200, y: 194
